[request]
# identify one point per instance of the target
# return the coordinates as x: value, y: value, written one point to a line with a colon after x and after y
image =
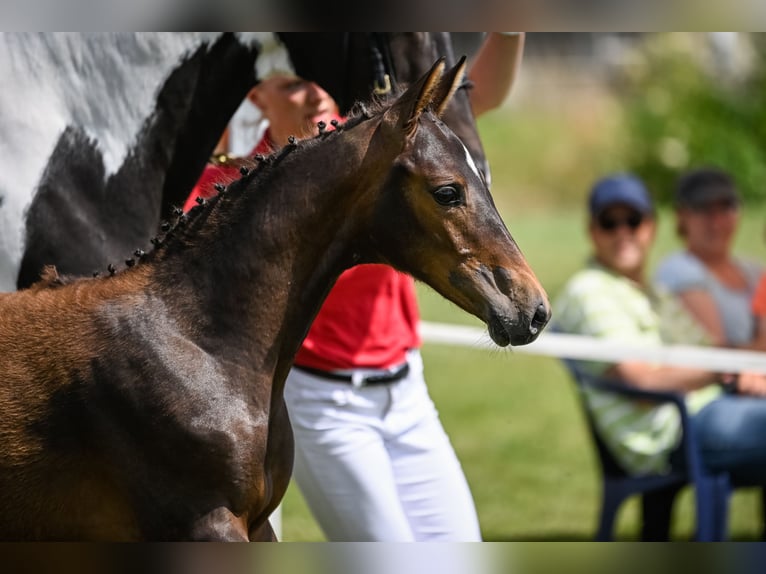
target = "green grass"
x: 513, y: 418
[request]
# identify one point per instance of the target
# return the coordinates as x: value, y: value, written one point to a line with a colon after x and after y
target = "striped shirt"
x: 599, y: 303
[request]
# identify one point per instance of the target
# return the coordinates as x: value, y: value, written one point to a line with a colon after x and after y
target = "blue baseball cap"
x: 624, y: 189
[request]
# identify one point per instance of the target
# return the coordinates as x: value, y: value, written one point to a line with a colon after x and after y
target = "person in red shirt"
x: 372, y: 459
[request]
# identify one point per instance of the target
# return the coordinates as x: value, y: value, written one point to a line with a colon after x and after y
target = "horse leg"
x: 219, y: 525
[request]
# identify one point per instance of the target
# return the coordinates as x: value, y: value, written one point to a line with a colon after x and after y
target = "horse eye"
x: 448, y: 195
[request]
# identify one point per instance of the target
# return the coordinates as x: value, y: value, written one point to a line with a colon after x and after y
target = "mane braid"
x: 362, y: 111
x: 255, y: 173
x: 191, y: 224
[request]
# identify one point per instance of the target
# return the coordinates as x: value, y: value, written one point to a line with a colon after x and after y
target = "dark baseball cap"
x: 623, y: 189
x: 704, y: 186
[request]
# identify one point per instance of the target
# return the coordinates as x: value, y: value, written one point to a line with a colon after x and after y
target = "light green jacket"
x: 599, y: 303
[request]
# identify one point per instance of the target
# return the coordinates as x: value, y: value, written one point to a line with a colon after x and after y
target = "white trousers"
x: 374, y: 463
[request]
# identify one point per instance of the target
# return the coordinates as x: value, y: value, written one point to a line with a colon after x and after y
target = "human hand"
x: 753, y: 384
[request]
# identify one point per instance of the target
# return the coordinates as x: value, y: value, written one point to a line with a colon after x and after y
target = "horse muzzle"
x: 521, y: 330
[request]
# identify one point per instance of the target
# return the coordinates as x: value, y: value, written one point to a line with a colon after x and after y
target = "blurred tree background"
x: 697, y: 99
x: 652, y: 103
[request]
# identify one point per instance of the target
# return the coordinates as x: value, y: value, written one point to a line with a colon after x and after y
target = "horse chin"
x: 498, y: 331
x: 505, y: 331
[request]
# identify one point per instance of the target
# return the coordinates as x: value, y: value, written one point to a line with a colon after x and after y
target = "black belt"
x: 390, y: 377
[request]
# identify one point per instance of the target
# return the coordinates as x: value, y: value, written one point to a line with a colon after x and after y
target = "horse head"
x: 350, y: 65
x: 436, y: 218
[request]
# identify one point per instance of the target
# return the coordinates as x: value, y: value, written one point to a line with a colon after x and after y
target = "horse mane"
x: 50, y: 279
x: 255, y: 172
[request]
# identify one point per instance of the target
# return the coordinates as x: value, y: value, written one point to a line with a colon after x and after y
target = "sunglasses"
x: 607, y: 223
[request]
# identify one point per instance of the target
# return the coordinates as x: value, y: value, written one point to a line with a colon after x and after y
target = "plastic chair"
x: 658, y: 491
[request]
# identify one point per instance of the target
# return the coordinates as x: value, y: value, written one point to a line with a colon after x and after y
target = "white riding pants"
x: 374, y: 463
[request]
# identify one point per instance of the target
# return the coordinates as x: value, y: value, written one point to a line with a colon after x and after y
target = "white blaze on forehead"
x: 470, y: 161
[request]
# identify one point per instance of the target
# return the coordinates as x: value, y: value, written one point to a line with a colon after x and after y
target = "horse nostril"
x: 540, y: 319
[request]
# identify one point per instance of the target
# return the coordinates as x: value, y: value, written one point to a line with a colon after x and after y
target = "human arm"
x: 597, y: 304
x: 648, y: 376
x: 753, y: 384
x: 731, y: 307
x: 495, y: 69
x: 685, y: 276
x: 704, y: 309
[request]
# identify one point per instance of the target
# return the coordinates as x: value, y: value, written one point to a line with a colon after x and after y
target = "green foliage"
x: 543, y: 155
x: 681, y: 113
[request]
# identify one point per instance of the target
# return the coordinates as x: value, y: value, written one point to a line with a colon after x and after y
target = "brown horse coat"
x: 148, y: 405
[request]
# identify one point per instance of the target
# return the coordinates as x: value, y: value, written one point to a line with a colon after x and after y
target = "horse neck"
x: 256, y: 272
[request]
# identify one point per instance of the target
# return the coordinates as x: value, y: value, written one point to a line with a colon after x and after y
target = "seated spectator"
x: 612, y: 299
x: 715, y: 286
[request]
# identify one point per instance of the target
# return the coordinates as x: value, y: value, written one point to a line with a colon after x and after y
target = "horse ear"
x: 419, y: 96
x: 447, y: 87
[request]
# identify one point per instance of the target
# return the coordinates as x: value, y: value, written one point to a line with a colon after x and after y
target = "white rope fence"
x: 590, y: 348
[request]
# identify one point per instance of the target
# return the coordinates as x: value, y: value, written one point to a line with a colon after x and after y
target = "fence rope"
x: 591, y: 348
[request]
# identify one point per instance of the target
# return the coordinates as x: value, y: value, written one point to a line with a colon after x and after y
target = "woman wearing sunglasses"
x: 611, y: 298
x: 715, y: 286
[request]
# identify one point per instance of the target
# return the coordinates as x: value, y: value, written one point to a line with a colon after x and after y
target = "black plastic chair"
x: 658, y: 491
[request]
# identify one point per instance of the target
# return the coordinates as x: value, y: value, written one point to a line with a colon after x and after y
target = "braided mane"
x: 255, y: 172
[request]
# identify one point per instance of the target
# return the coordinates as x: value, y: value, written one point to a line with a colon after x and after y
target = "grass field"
x: 513, y: 419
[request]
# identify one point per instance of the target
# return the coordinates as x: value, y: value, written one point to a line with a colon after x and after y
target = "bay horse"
x: 148, y: 404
